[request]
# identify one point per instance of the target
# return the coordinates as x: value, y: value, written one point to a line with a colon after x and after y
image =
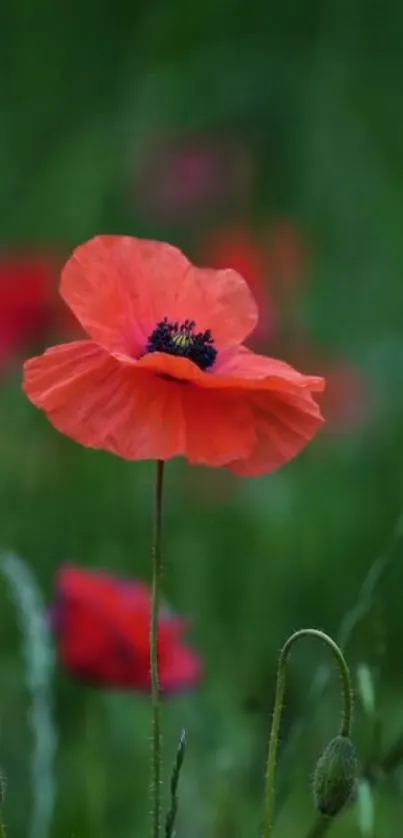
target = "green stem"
x: 156, y: 736
x: 346, y: 720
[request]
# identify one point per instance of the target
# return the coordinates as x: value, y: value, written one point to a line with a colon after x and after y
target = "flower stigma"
x: 183, y: 340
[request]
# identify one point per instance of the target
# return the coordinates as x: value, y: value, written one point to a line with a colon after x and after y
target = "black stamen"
x: 182, y: 340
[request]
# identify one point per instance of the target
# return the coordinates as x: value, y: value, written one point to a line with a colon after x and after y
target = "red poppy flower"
x: 26, y: 299
x: 102, y: 626
x: 165, y: 373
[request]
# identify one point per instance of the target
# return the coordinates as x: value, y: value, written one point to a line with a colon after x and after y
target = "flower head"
x: 102, y: 627
x: 164, y: 372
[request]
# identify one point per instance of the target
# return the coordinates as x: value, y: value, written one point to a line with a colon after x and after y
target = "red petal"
x: 119, y: 288
x: 94, y: 399
x: 104, y: 590
x: 250, y: 369
x: 238, y: 369
x: 284, y: 424
x: 129, y: 411
x: 102, y: 403
x: 217, y: 423
x: 90, y: 643
x: 180, y: 669
x: 104, y: 628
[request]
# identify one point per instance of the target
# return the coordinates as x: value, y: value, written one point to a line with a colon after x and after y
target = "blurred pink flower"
x: 191, y: 174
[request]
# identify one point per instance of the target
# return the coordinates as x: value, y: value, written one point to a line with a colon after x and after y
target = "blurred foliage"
x: 312, y: 91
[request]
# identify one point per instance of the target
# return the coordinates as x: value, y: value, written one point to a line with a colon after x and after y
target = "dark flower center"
x: 182, y: 339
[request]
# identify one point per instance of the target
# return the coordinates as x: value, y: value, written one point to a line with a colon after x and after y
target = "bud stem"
x: 156, y: 736
x: 346, y: 719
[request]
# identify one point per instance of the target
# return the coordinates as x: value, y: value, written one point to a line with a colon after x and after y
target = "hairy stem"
x: 156, y: 736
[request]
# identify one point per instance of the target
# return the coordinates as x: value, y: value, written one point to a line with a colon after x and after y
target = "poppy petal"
x: 180, y: 669
x: 101, y: 640
x: 284, y: 424
x: 94, y: 399
x: 89, y: 656
x: 103, y: 588
x: 244, y: 365
x: 110, y: 282
x: 216, y: 424
x: 221, y: 301
x: 238, y: 370
x: 120, y: 288
x: 101, y: 403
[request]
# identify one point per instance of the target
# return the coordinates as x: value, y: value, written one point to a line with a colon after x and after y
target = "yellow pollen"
x: 182, y: 339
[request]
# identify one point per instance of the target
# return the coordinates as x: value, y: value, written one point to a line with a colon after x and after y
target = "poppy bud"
x: 335, y: 776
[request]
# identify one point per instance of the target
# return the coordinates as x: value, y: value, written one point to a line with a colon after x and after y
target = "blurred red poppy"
x: 287, y: 254
x: 236, y: 248
x: 165, y: 373
x: 102, y: 627
x: 347, y: 401
x: 27, y: 296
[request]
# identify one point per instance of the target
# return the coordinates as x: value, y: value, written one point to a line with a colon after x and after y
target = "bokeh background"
x: 265, y: 137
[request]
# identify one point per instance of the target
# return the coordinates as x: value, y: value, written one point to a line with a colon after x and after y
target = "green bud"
x: 335, y: 776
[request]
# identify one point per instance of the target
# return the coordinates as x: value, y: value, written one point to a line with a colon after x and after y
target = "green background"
x: 312, y: 92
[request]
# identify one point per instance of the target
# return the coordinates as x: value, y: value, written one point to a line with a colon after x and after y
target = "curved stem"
x: 156, y: 736
x: 346, y: 720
